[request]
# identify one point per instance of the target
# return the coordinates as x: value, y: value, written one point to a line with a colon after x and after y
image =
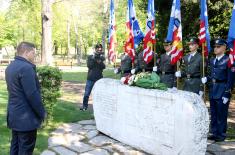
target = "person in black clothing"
x: 95, y: 64
x: 126, y: 65
x: 25, y: 110
x: 142, y: 65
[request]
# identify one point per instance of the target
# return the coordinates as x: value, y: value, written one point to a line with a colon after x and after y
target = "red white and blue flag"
x: 134, y: 33
x: 174, y: 33
x: 149, y: 39
x: 112, y: 33
x: 204, y: 35
x: 231, y: 39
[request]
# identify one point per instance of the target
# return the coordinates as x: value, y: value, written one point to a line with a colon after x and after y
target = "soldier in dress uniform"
x: 165, y: 69
x: 140, y: 64
x: 220, y: 79
x: 193, y: 68
x: 126, y: 65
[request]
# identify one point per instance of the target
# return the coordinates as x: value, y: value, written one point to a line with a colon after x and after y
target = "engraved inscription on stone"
x: 108, y: 102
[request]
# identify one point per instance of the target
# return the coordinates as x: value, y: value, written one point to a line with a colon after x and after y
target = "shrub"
x: 50, y: 79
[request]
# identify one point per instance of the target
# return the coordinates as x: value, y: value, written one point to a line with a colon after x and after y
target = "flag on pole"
x: 149, y: 39
x: 174, y: 33
x: 134, y: 33
x: 204, y: 35
x: 129, y: 45
x: 112, y: 33
x: 231, y: 39
x: 138, y: 34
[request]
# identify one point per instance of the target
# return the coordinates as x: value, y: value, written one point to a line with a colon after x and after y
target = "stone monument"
x: 158, y: 122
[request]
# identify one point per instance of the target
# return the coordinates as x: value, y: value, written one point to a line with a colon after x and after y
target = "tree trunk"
x: 68, y: 33
x: 77, y: 50
x: 23, y: 34
x: 105, y: 23
x: 46, y: 46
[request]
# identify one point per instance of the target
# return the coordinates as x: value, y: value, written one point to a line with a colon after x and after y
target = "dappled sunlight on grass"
x: 72, y: 97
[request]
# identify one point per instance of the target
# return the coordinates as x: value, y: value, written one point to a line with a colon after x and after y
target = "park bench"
x: 64, y: 63
x: 5, y: 61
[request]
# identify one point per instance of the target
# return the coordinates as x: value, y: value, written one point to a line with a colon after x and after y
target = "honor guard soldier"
x: 193, y: 68
x: 166, y: 70
x: 220, y: 79
x: 141, y: 65
x: 126, y: 65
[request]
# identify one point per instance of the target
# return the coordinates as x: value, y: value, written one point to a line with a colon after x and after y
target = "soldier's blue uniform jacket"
x: 220, y: 78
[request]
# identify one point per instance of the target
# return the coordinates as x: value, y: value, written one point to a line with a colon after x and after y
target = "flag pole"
x: 177, y: 79
x: 203, y: 70
x: 233, y: 46
x: 154, y: 54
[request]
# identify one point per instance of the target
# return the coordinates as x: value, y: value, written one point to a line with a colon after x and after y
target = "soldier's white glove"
x: 201, y: 93
x: 178, y: 74
x: 204, y: 80
x: 131, y: 80
x: 154, y: 68
x: 133, y: 71
x: 225, y: 100
x: 115, y: 71
x: 123, y: 79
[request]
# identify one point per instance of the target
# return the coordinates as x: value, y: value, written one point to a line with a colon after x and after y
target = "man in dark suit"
x: 192, y: 69
x: 25, y: 111
x: 220, y: 79
x: 166, y: 69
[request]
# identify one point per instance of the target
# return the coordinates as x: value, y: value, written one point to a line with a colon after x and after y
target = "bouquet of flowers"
x: 144, y: 80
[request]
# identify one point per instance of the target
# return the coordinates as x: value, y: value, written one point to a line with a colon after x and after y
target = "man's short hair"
x: 98, y: 46
x: 25, y: 47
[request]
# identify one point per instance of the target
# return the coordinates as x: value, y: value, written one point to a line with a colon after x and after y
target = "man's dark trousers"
x: 219, y: 113
x: 88, y: 88
x: 23, y: 143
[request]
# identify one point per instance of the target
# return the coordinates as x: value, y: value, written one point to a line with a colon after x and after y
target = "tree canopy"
x: 84, y: 22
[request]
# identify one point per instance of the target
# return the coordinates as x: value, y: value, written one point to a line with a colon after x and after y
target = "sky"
x: 4, y: 4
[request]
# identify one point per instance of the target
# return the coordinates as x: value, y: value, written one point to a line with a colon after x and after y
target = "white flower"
x: 131, y: 80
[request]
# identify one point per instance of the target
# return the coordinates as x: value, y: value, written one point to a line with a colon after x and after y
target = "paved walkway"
x: 83, y: 138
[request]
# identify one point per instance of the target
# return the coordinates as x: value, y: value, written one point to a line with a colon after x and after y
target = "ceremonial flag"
x: 149, y: 39
x: 204, y: 35
x: 134, y: 33
x: 112, y: 33
x: 231, y: 39
x: 175, y: 32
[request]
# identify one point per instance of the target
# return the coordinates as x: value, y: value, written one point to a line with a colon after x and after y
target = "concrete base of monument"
x: 159, y: 122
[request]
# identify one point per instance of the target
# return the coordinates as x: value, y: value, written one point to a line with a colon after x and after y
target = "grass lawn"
x: 81, y: 75
x: 63, y: 112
